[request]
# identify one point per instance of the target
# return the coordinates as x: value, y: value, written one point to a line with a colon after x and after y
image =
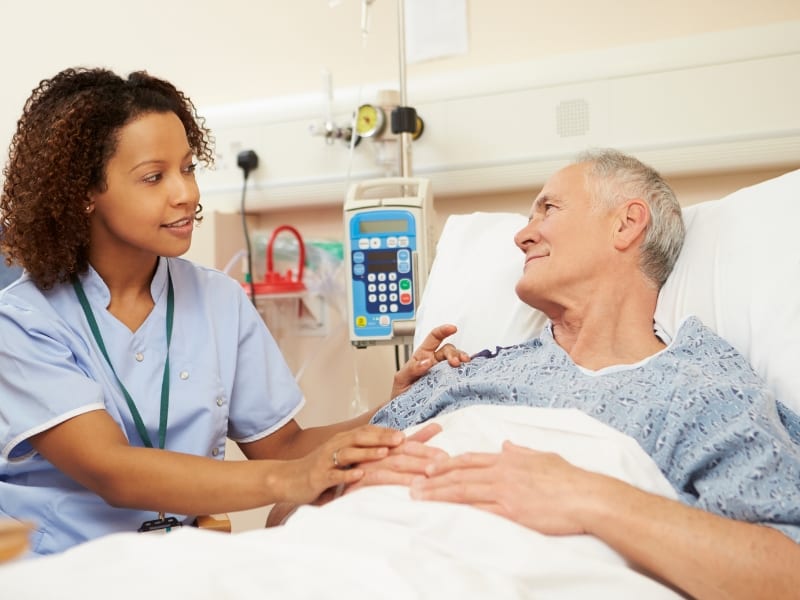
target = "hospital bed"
x: 739, y: 272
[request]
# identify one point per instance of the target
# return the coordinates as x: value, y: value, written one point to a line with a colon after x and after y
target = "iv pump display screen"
x: 386, y: 226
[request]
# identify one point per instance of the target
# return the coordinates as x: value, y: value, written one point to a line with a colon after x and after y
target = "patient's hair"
x: 615, y: 177
x: 68, y: 131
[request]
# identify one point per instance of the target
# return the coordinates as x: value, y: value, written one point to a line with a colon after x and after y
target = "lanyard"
x: 137, y: 418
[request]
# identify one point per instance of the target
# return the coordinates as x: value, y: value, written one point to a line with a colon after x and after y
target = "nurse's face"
x: 151, y: 195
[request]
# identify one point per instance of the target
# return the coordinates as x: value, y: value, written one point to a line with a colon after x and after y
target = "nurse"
x: 123, y: 368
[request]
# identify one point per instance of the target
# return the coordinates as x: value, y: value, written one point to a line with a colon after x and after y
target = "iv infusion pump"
x: 388, y: 251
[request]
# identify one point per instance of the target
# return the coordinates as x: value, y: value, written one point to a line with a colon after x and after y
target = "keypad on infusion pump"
x: 387, y: 277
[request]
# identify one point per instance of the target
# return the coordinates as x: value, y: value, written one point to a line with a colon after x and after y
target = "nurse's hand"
x: 429, y: 352
x: 335, y: 462
x: 400, y: 466
x: 404, y: 462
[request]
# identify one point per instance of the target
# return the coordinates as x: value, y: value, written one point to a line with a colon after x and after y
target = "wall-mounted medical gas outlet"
x: 371, y: 121
x: 332, y: 132
x: 329, y: 129
x: 380, y: 121
x: 385, y: 119
x: 388, y: 252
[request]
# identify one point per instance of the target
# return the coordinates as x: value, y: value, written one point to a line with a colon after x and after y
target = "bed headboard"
x: 739, y: 271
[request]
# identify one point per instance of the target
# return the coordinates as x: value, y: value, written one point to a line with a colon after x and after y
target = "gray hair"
x: 613, y: 178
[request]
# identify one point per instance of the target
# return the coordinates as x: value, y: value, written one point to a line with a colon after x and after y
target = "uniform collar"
x: 97, y: 290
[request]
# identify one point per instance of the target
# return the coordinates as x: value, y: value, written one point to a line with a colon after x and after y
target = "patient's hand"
x: 404, y: 462
x: 429, y: 352
x: 539, y: 490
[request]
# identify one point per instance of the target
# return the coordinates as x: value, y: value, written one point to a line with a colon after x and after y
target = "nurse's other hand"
x: 404, y: 462
x: 332, y: 463
x: 429, y: 352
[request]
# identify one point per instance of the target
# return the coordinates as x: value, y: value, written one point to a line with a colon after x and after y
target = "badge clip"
x: 166, y: 523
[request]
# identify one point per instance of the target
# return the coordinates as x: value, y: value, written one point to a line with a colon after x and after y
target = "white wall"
x: 681, y: 105
x: 237, y: 50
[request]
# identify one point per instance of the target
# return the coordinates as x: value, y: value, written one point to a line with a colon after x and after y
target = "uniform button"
x: 220, y: 400
x: 139, y: 356
x: 215, y: 452
x: 184, y: 375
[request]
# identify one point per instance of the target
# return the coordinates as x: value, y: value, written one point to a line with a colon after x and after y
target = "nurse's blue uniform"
x: 227, y: 379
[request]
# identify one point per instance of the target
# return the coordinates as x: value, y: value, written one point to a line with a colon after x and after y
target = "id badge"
x: 160, y: 525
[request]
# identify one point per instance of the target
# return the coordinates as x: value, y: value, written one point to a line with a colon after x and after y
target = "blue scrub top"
x: 8, y: 274
x: 227, y: 379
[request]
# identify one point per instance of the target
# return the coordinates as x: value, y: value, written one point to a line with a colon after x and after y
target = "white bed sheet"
x: 377, y: 542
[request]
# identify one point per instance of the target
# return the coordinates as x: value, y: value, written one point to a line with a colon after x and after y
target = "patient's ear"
x: 632, y: 219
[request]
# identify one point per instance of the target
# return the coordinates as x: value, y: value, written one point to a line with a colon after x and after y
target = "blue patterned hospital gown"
x: 697, y: 408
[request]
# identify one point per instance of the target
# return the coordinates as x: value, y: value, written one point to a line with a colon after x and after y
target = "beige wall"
x: 223, y: 52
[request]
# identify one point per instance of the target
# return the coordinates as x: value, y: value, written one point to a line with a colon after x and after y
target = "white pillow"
x: 739, y: 272
x: 471, y: 284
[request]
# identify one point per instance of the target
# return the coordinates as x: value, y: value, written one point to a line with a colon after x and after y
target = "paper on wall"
x: 435, y: 29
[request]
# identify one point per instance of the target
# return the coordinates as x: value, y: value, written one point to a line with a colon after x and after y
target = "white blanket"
x: 376, y: 542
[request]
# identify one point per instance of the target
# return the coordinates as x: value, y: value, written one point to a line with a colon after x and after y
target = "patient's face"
x: 567, y: 244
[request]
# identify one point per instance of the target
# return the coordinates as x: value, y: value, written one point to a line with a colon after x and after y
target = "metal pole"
x: 405, y: 137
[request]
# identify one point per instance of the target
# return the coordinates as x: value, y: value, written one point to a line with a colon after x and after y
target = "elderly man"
x: 602, y: 238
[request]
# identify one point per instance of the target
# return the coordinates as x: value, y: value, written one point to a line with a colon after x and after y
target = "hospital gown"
x: 696, y: 407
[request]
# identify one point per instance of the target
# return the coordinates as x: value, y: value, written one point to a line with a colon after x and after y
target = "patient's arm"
x: 705, y: 555
x: 427, y: 354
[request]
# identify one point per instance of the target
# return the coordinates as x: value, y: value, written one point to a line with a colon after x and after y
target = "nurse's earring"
x: 89, y: 208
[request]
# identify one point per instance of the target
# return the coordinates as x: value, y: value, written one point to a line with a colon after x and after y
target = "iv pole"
x: 405, y: 136
x: 403, y: 118
x: 404, y: 111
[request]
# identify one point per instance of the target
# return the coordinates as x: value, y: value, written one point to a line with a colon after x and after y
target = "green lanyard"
x: 137, y: 418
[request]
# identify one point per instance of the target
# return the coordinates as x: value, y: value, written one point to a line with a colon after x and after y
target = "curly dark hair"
x: 68, y: 131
